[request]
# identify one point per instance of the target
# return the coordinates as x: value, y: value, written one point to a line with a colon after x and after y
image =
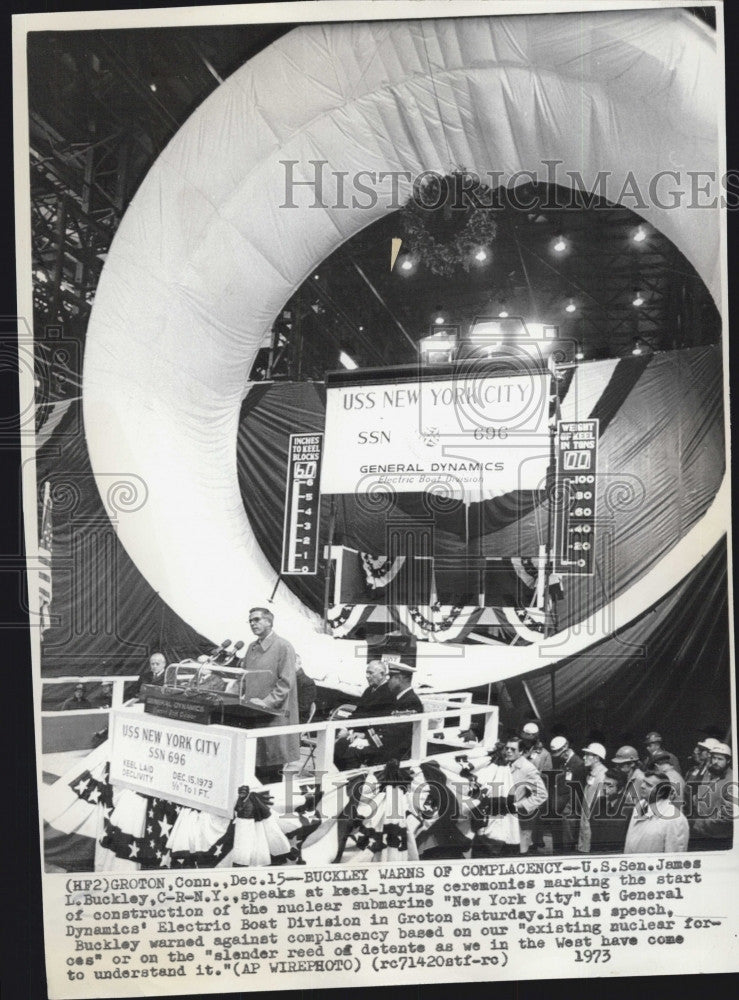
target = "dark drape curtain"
x: 106, y: 619
x: 660, y: 462
x: 667, y: 671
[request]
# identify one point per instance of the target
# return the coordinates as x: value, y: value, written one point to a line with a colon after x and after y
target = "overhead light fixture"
x: 153, y: 87
x: 316, y: 276
x: 347, y: 361
x: 640, y: 234
x: 579, y: 353
x: 638, y: 299
x: 360, y: 328
x: 481, y: 255
x: 571, y: 307
x: 439, y: 348
x: 406, y: 264
x: 642, y: 346
x: 503, y: 314
x: 560, y: 244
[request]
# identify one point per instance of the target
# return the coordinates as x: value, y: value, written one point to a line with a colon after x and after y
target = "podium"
x: 209, y: 694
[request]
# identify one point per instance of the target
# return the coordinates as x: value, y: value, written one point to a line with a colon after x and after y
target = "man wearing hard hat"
x: 566, y: 793
x: 653, y: 743
x: 626, y: 760
x: 698, y: 772
x: 533, y: 747
x: 593, y: 756
x: 712, y: 823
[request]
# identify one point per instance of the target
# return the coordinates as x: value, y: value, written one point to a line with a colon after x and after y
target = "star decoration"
x: 94, y: 795
x: 218, y: 850
x: 166, y: 859
x: 81, y: 786
x: 165, y: 826
x: 134, y: 850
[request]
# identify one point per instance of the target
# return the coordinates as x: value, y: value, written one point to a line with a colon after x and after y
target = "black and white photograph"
x: 374, y: 425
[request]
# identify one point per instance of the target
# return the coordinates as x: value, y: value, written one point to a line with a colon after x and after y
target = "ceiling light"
x: 481, y: 255
x: 560, y: 244
x: 642, y: 346
x: 638, y: 299
x: 347, y: 361
x: 570, y: 307
x: 316, y: 276
x: 503, y: 314
x: 406, y: 264
x: 439, y: 320
x: 361, y: 328
x: 153, y: 87
x: 640, y: 234
x: 439, y: 348
x: 579, y: 353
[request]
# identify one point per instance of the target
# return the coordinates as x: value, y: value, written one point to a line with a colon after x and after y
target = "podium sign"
x: 182, y: 762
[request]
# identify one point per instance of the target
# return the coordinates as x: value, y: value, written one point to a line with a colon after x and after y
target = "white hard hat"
x: 710, y: 744
x: 597, y: 749
x: 558, y: 744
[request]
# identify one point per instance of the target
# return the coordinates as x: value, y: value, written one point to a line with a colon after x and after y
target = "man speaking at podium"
x: 273, y: 687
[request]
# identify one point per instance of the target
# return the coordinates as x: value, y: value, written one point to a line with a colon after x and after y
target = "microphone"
x: 232, y: 655
x: 219, y: 649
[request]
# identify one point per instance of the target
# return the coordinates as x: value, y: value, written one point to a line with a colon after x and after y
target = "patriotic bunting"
x: 450, y: 807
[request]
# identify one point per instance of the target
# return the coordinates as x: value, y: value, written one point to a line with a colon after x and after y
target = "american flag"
x: 45, y: 561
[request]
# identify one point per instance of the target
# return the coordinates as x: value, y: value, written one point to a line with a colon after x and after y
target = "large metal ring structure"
x: 206, y: 255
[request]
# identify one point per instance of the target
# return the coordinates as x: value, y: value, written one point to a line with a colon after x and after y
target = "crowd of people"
x: 568, y: 799
x: 587, y: 801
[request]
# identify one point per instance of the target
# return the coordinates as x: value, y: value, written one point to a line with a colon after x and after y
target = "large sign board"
x: 577, y: 480
x: 482, y: 434
x: 183, y: 762
x: 302, y: 503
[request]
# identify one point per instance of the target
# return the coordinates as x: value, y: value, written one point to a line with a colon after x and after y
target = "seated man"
x: 375, y: 700
x: 376, y: 697
x: 387, y: 742
x: 151, y: 673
